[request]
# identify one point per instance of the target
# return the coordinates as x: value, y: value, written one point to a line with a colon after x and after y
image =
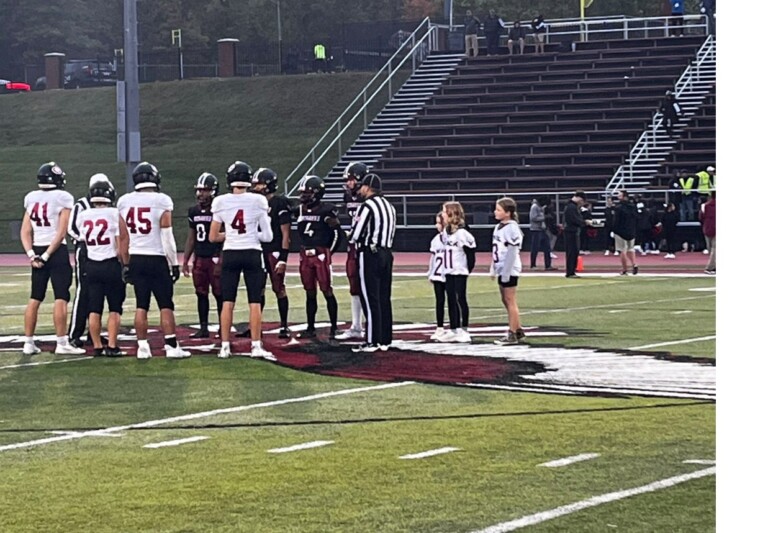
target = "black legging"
x: 458, y: 309
x: 439, y: 288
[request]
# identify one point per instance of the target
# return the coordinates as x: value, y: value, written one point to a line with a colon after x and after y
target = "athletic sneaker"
x: 366, y: 347
x: 553, y: 256
x: 143, y: 352
x: 634, y: 270
x: 68, y: 349
x: 284, y: 333
x: 507, y: 340
x: 258, y: 352
x: 384, y: 347
x: 351, y: 334
x: 437, y: 334
x: 113, y: 352
x: 176, y: 353
x: 225, y: 352
x: 669, y: 256
x: 463, y: 336
x: 30, y: 349
x: 520, y: 334
x: 200, y: 334
x: 607, y: 252
x: 710, y: 272
x: 307, y: 334
x: 447, y: 336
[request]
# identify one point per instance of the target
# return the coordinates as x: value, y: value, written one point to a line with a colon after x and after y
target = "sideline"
x: 194, y: 416
x: 672, y: 343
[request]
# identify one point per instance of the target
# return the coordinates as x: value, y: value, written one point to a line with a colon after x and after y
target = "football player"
x: 79, y: 318
x: 152, y: 265
x: 320, y: 234
x: 353, y: 174
x: 43, y: 229
x: 245, y: 220
x: 206, y: 269
x: 276, y: 251
x: 101, y: 229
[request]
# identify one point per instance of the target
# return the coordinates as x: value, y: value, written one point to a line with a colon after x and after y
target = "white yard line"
x: 672, y: 343
x: 430, y: 453
x: 699, y: 462
x: 175, y: 442
x: 543, y: 516
x: 305, y: 446
x: 47, y: 362
x: 111, y: 435
x: 565, y: 461
x: 195, y: 416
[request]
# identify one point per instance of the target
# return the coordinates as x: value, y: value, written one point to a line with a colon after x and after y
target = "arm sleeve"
x: 169, y: 246
x: 74, y: 230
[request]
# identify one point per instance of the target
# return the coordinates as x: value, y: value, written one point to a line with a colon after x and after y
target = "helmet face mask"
x: 239, y: 174
x: 265, y: 181
x: 146, y: 176
x: 206, y: 187
x: 311, y: 190
x: 354, y: 171
x: 51, y: 176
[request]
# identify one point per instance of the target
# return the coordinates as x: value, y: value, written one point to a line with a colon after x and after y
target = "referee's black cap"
x: 372, y: 180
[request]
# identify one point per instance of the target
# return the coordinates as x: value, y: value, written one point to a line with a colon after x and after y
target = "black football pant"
x: 571, y: 251
x: 79, y: 319
x: 376, y: 280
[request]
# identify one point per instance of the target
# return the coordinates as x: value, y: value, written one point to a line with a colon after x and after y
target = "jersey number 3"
x: 138, y: 220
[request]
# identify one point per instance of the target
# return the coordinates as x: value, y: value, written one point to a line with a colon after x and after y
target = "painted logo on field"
x: 538, y: 366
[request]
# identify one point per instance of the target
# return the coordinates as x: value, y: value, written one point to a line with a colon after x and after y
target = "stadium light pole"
x: 279, y: 37
x: 132, y: 133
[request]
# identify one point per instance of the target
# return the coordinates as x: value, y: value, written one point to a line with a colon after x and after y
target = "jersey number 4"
x: 138, y: 220
x: 90, y: 225
x: 39, y: 214
x: 238, y: 222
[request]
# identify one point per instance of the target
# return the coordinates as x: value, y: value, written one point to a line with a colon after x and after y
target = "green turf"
x: 230, y: 482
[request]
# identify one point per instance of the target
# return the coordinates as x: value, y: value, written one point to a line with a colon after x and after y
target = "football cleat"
x: 176, y: 353
x: 30, y: 349
x: 225, y: 352
x: 68, y: 349
x: 143, y: 352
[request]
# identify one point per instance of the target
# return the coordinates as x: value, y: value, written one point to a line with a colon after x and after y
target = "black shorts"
x: 511, y: 283
x: 105, y: 280
x: 57, y: 269
x: 152, y: 276
x: 251, y: 264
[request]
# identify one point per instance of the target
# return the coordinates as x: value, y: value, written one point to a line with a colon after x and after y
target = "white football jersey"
x: 454, y: 256
x: 436, y: 270
x: 99, y: 228
x: 245, y: 218
x: 44, y: 208
x: 505, y: 254
x: 142, y: 212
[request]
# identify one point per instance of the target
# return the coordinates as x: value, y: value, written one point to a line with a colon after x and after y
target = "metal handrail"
x: 363, y: 94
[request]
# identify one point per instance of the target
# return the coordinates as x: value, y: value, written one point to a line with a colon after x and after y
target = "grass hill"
x: 187, y: 127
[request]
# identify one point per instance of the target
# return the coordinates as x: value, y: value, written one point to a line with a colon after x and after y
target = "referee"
x: 79, y: 319
x: 374, y: 233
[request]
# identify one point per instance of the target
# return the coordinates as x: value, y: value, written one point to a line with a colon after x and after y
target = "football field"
x: 603, y: 420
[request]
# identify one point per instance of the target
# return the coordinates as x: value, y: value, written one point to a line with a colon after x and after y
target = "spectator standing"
x: 625, y: 231
x: 103, y: 233
x: 573, y: 224
x: 320, y: 233
x: 492, y: 28
x: 79, y: 321
x: 436, y: 275
x: 43, y: 232
x: 471, y: 27
x: 321, y: 61
x: 705, y: 182
x: 677, y: 10
x: 153, y: 263
x: 669, y: 220
x: 459, y: 260
x: 539, y: 239
x: 374, y: 235
x: 707, y: 216
x: 553, y: 229
x: 586, y: 232
x: 671, y: 112
x: 539, y: 33
x: 206, y: 268
x: 244, y: 219
x: 507, y: 266
x: 610, y: 246
x: 690, y: 197
x: 675, y: 187
x: 644, y: 227
x: 516, y: 38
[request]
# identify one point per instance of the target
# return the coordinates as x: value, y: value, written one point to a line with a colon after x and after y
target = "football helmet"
x: 239, y: 174
x: 146, y: 175
x: 268, y: 177
x: 102, y: 192
x: 207, y: 181
x: 354, y: 171
x: 50, y: 176
x: 311, y: 190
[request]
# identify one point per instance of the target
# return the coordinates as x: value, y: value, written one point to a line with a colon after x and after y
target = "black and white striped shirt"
x: 81, y: 205
x: 375, y: 223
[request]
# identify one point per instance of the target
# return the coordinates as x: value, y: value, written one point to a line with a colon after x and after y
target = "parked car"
x: 8, y: 86
x: 84, y: 73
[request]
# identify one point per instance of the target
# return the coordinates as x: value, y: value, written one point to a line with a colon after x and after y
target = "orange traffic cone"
x: 580, y: 264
